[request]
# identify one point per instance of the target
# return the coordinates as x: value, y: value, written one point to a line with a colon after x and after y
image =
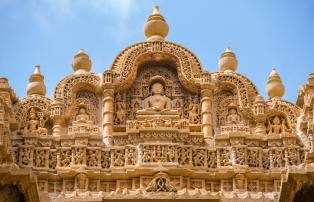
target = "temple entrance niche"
x: 152, y: 78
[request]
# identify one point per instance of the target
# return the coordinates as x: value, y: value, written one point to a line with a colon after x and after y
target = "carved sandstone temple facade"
x: 155, y: 125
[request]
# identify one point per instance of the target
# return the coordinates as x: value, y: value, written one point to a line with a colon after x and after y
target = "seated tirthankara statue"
x: 157, y: 103
x: 233, y: 117
x: 233, y: 121
x: 82, y: 117
x: 82, y: 123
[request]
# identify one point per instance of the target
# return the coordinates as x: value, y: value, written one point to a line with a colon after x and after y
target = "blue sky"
x: 262, y: 33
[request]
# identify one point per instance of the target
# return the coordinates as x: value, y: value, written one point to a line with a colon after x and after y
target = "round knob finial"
x: 228, y: 61
x: 156, y: 27
x: 275, y: 87
x: 81, y: 63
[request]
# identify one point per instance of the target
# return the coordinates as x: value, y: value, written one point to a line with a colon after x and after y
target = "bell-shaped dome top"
x: 156, y: 27
x: 274, y: 87
x: 228, y: 61
x: 36, y: 83
x: 81, y: 63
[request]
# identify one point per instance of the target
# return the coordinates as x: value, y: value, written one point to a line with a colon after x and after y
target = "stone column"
x: 108, y: 108
x: 206, y: 107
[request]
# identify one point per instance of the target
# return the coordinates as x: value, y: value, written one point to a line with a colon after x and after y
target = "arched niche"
x: 67, y: 88
x: 129, y: 100
x: 126, y: 64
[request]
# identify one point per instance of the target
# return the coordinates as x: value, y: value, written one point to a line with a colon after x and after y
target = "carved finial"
x: 156, y: 10
x: 156, y: 27
x: 81, y: 63
x: 228, y: 50
x: 274, y: 87
x: 36, y: 83
x: 228, y: 61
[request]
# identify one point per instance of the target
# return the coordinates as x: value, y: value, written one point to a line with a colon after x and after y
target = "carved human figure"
x: 79, y: 156
x: 120, y: 113
x: 82, y: 116
x: 233, y: 116
x: 183, y: 156
x: 171, y: 153
x: 212, y: 159
x: 178, y: 107
x: 277, y: 159
x: 105, y: 160
x: 33, y: 123
x: 130, y: 156
x: 193, y: 111
x: 146, y: 155
x: 157, y: 101
x: 198, y: 158
x: 92, y: 159
x: 26, y: 156
x: 119, y: 158
x: 277, y: 126
x: 41, y: 128
x: 158, y: 157
x: 65, y: 159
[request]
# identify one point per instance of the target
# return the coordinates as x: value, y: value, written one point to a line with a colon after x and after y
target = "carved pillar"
x: 56, y: 115
x: 259, y: 115
x: 108, y: 108
x: 206, y: 107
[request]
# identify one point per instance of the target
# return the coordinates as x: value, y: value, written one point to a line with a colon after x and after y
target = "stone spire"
x: 36, y: 83
x: 156, y: 27
x: 274, y: 87
x: 81, y: 63
x: 228, y: 61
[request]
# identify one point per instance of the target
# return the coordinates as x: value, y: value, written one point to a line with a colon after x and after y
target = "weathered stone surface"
x: 156, y: 126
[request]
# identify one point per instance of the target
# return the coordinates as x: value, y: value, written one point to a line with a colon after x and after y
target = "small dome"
x: 156, y: 27
x: 274, y: 87
x: 228, y: 61
x: 259, y: 99
x: 36, y: 83
x: 81, y: 63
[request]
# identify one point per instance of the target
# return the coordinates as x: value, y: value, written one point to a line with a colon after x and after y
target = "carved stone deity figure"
x: 193, y: 111
x: 233, y: 116
x: 120, y: 113
x: 157, y: 101
x: 33, y: 123
x: 82, y: 116
x: 277, y: 126
x: 36, y: 123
